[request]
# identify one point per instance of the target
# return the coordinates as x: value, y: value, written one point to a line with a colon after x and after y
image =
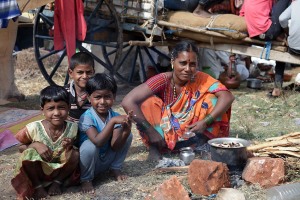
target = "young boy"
x: 80, y: 70
x: 104, y: 135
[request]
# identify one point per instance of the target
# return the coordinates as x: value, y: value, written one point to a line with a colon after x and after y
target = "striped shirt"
x: 76, y: 110
x: 161, y: 87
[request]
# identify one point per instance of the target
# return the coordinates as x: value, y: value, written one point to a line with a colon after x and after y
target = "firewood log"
x: 287, y: 153
x: 173, y: 169
x: 294, y: 134
x: 283, y: 142
x: 296, y: 149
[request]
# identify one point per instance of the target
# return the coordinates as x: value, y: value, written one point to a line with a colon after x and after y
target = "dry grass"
x: 254, y: 117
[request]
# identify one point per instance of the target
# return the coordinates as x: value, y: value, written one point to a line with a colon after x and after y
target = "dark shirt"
x: 76, y: 111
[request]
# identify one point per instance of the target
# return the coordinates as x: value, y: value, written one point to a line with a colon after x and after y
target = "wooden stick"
x: 279, y: 48
x: 173, y: 169
x: 281, y: 149
x: 283, y: 136
x: 145, y: 43
x: 283, y: 142
x: 287, y: 153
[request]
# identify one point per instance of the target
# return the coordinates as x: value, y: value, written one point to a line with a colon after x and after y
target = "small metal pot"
x: 187, y: 155
x: 234, y: 157
x: 254, y: 83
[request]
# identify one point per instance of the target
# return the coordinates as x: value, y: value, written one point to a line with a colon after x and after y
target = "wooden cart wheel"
x: 128, y: 71
x: 103, y: 28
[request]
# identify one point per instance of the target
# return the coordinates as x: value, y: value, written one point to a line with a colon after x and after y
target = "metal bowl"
x: 187, y: 155
x: 254, y: 83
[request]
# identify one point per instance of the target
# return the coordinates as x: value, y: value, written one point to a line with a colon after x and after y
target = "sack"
x: 229, y: 25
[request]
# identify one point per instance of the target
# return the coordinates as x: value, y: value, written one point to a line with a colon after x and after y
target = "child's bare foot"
x: 87, y: 187
x: 55, y: 188
x: 40, y: 193
x: 154, y: 154
x: 118, y: 175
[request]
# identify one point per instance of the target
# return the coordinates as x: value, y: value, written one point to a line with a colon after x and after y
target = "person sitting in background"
x: 289, y: 21
x: 218, y: 60
x: 207, y: 8
x: 171, y: 103
x: 262, y: 19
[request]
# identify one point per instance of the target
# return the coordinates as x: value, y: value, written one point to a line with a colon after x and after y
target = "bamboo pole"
x: 212, y: 33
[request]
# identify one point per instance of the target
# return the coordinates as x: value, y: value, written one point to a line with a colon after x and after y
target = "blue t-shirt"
x: 90, y: 119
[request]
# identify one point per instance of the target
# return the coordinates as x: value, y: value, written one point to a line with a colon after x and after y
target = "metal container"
x: 234, y: 157
x: 187, y: 155
x: 254, y: 83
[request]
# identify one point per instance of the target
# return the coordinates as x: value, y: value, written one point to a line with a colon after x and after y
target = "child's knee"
x: 129, y: 139
x: 88, y: 149
x: 74, y: 159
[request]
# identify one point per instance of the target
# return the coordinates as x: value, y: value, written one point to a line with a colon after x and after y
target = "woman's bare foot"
x: 40, y: 193
x: 54, y: 189
x: 87, y: 187
x: 118, y: 175
x: 199, y: 11
x: 154, y: 154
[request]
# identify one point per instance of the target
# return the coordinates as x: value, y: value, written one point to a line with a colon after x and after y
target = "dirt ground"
x: 254, y: 117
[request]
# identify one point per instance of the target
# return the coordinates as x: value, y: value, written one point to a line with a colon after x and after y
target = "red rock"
x: 265, y: 171
x: 207, y: 177
x: 170, y: 189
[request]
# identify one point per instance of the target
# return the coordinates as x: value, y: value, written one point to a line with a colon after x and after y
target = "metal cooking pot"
x: 234, y: 157
x: 254, y: 83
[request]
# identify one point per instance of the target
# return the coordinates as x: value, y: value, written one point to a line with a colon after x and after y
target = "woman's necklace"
x: 54, y: 135
x: 174, y: 88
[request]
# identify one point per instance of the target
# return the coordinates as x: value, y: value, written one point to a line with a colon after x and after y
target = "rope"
x: 211, y: 21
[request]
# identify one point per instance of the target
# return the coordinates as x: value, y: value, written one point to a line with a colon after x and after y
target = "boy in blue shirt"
x: 105, y: 136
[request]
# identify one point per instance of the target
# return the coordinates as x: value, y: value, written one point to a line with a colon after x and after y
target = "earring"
x: 172, y: 66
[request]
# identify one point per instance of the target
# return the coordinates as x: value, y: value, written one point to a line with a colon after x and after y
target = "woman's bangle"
x: 144, y: 125
x: 209, y: 119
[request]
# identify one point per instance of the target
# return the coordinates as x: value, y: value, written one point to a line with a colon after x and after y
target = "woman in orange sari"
x: 170, y: 103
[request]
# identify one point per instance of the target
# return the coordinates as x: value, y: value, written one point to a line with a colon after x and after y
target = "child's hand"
x: 44, y: 151
x: 67, y: 143
x: 124, y: 120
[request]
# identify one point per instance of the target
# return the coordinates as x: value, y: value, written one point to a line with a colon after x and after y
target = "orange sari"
x: 195, y: 101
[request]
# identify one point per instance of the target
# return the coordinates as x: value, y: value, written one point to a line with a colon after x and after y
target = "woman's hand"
x: 42, y: 149
x: 197, y: 127
x: 156, y: 139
